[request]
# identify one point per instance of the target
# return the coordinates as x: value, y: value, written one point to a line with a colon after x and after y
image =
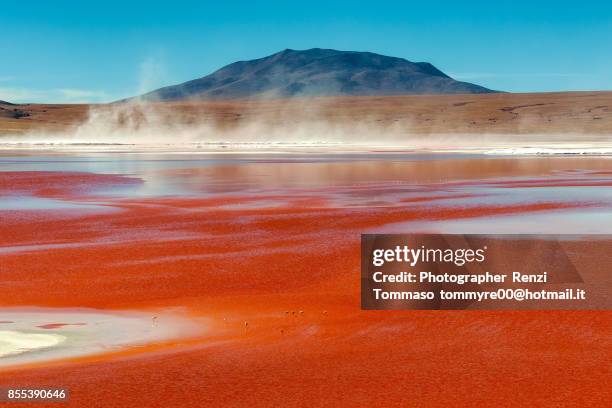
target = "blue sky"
x: 76, y: 51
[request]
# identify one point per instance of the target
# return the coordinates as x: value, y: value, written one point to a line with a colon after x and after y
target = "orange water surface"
x: 267, y: 248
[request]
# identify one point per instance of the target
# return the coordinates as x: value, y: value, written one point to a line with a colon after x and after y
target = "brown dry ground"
x: 564, y: 112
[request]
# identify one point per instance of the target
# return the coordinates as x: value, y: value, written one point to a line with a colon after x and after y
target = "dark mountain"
x: 9, y: 110
x: 318, y: 72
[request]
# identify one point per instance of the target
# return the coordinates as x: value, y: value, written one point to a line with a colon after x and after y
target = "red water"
x: 275, y: 265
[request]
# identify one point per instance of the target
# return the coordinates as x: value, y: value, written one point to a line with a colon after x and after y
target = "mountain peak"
x: 318, y: 72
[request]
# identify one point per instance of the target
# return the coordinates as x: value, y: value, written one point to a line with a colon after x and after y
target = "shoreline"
x: 35, y: 335
x: 225, y: 148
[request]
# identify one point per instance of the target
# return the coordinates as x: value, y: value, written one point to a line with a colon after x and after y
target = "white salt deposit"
x: 42, y: 334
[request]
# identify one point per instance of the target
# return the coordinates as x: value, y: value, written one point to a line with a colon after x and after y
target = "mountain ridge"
x: 317, y: 72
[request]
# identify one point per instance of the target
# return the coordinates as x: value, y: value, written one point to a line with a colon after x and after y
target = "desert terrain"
x: 586, y: 113
x: 261, y: 254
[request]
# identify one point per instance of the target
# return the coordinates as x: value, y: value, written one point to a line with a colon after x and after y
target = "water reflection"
x: 336, y: 180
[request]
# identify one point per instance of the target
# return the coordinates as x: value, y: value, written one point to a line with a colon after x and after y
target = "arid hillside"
x: 568, y: 112
x: 317, y: 72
